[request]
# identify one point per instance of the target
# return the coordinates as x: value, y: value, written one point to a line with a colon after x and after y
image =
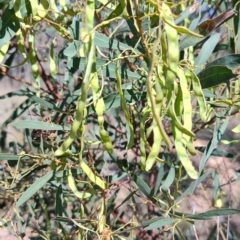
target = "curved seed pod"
x: 157, y: 139
x: 182, y: 154
x: 102, y: 217
x: 99, y: 107
x: 156, y: 102
x: 157, y: 134
x: 94, y: 178
x: 129, y: 125
x: 88, y: 18
x: 72, y: 186
x: 171, y: 110
x: 184, y: 100
x: 203, y: 110
x: 172, y: 45
x: 143, y: 141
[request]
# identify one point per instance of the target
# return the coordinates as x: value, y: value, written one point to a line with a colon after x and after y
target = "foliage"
x: 132, y: 82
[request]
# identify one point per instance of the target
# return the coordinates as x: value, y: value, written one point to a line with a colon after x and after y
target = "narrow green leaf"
x: 44, y: 104
x: 159, y: 178
x: 142, y: 186
x: 33, y: 124
x: 17, y: 93
x: 230, y: 61
x: 206, y: 51
x: 217, y: 135
x: 215, y: 75
x: 213, y: 213
x: 160, y: 223
x: 193, y: 185
x: 187, y: 12
x: 9, y: 157
x: 188, y: 41
x: 37, y: 185
x: 169, y: 180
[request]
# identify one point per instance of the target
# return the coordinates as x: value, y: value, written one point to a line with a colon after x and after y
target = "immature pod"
x: 33, y: 59
x: 172, y: 45
x: 143, y: 141
x: 183, y: 101
x: 198, y: 93
x: 172, y: 96
x: 129, y: 125
x: 93, y: 177
x: 181, y: 152
x: 72, y: 186
x: 102, y: 217
x: 106, y: 140
x: 157, y: 131
x: 88, y: 19
x: 156, y: 101
x: 157, y: 139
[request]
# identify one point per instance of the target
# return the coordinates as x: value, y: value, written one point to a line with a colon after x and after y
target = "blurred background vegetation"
x: 119, y: 119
